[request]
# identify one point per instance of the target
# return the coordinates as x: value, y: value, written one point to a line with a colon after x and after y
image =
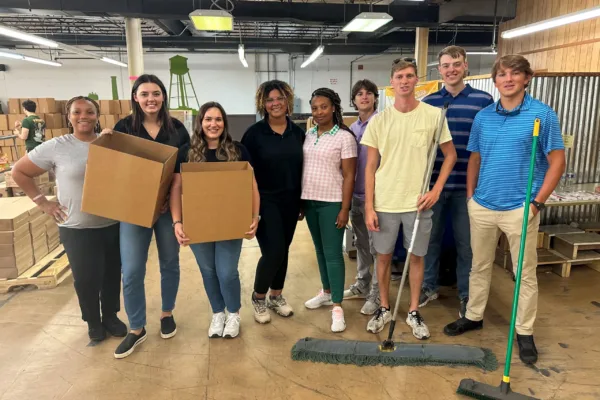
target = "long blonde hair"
x: 226, y: 150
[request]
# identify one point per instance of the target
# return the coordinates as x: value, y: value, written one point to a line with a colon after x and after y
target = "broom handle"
x: 513, y: 319
x: 424, y: 189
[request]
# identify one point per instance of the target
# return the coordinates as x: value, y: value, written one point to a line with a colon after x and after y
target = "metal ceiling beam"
x: 172, y: 27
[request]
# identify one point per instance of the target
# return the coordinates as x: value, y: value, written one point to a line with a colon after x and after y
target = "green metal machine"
x: 178, y: 98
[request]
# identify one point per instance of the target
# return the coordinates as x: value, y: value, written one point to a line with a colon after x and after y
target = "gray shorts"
x: 384, y: 241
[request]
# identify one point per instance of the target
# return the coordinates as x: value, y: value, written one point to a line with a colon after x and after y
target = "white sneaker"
x: 338, y: 323
x: 369, y: 308
x: 217, y: 325
x: 378, y: 322
x: 417, y: 323
x: 321, y: 299
x: 232, y: 326
x: 261, y: 312
x: 354, y: 293
x: 280, y: 306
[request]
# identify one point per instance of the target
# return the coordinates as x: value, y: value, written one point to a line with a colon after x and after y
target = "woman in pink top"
x: 327, y: 184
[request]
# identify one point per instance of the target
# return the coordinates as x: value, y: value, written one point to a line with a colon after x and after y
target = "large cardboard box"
x: 12, y: 118
x: 47, y: 106
x: 54, y: 121
x: 8, y: 237
x: 111, y: 120
x: 109, y: 107
x: 125, y: 107
x: 14, y: 106
x: 127, y: 178
x: 4, y: 123
x: 18, y: 247
x: 14, y: 213
x: 11, y: 267
x: 217, y: 200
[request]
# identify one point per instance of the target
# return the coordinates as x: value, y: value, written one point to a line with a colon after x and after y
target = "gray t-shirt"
x: 67, y: 157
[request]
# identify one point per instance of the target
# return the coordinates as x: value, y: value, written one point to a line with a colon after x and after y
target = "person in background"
x: 398, y: 140
x: 465, y: 103
x: 275, y: 147
x: 327, y: 185
x: 218, y: 261
x: 497, y: 178
x: 33, y: 129
x: 150, y: 120
x: 364, y: 97
x: 91, y: 242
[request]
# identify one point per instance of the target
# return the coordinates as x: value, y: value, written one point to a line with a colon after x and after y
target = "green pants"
x: 321, y: 217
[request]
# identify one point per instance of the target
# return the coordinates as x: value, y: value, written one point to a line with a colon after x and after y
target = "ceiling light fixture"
x: 553, y: 22
x: 367, y: 22
x: 115, y: 62
x: 212, y: 20
x: 241, y: 55
x: 318, y: 51
x: 16, y: 56
x: 96, y: 56
x: 482, y: 53
x: 26, y: 37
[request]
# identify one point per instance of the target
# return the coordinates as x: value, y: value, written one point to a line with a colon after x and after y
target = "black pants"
x: 279, y: 216
x: 95, y: 260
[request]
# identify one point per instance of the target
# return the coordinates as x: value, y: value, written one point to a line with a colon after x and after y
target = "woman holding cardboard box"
x: 150, y: 120
x: 218, y: 261
x: 275, y: 145
x: 91, y: 242
x: 330, y: 152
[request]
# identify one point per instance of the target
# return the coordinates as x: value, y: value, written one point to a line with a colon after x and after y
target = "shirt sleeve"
x: 248, y: 140
x: 349, y: 148
x: 445, y: 136
x: 120, y: 126
x: 371, y: 135
x: 550, y: 135
x: 473, y: 145
x: 183, y: 148
x: 43, y: 155
x: 245, y: 154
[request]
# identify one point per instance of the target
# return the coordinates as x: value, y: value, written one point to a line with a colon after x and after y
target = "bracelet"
x: 177, y: 222
x: 36, y: 198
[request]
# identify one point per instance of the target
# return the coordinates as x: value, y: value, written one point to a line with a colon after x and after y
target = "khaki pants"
x: 486, y: 226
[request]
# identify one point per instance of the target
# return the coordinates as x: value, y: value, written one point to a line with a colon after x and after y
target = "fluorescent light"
x: 367, y: 22
x: 26, y: 37
x: 21, y: 57
x: 115, y: 62
x: 11, y: 55
x: 241, y: 55
x: 482, y: 52
x: 212, y: 20
x: 553, y: 22
x: 313, y: 56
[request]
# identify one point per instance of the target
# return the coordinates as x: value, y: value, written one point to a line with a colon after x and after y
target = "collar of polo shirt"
x: 332, y: 131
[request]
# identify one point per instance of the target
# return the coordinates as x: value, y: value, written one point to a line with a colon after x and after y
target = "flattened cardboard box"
x: 217, y: 200
x: 14, y: 213
x: 11, y: 268
x: 9, y: 237
x: 16, y: 249
x: 127, y: 178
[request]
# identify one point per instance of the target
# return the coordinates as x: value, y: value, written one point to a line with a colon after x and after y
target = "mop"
x: 388, y: 353
x: 483, y: 391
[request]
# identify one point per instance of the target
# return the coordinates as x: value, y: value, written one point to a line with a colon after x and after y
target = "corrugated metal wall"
x: 576, y: 100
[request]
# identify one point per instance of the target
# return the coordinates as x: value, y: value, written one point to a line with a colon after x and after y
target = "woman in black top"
x: 150, y: 120
x: 275, y: 145
x: 218, y: 261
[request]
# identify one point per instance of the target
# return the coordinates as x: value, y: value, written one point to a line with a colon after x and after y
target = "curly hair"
x: 97, y: 128
x: 262, y: 93
x: 338, y: 118
x: 226, y: 150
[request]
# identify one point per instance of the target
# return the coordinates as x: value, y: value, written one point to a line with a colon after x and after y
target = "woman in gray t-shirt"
x: 91, y: 242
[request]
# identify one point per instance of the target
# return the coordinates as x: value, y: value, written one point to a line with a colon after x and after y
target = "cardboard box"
x: 61, y: 106
x: 109, y: 107
x: 127, y: 178
x: 11, y: 267
x: 224, y: 211
x: 12, y: 118
x: 14, y: 106
x: 54, y: 121
x: 4, y: 122
x: 47, y: 106
x: 16, y: 248
x: 110, y: 120
x: 8, y: 237
x: 41, y: 179
x: 14, y: 213
x: 125, y: 107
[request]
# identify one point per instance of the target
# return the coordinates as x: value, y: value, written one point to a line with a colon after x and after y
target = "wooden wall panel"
x: 570, y: 48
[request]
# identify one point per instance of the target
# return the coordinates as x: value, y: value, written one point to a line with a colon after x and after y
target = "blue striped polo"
x: 504, y: 143
x: 461, y: 112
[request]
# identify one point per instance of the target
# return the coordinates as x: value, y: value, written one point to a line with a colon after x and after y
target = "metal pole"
x: 135, y: 52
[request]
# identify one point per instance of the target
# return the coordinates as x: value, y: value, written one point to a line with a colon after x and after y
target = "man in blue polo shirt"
x: 497, y: 175
x: 465, y: 103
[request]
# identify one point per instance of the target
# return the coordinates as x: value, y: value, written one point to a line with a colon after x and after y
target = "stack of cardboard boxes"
x: 111, y: 111
x: 43, y: 182
x: 26, y: 235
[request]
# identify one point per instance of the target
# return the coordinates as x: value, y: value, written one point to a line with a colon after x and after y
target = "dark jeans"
x: 96, y: 265
x: 279, y: 217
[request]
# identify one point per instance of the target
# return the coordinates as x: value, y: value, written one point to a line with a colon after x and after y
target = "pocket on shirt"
x: 419, y: 138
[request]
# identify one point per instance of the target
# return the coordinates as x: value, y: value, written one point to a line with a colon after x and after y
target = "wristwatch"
x: 538, y: 205
x: 177, y: 222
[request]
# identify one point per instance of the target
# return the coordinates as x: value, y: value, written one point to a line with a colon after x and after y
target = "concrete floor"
x: 45, y: 351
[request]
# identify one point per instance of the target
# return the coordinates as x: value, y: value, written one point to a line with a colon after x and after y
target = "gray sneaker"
x: 417, y: 323
x: 280, y: 306
x: 354, y: 292
x: 261, y: 312
x: 426, y: 298
x: 378, y: 322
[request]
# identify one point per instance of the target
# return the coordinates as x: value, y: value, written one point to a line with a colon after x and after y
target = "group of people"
x: 370, y: 173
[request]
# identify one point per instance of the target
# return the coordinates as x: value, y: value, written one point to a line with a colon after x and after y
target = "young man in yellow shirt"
x: 398, y: 140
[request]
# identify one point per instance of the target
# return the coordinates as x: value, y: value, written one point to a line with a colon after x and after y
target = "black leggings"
x: 95, y: 260
x: 279, y: 217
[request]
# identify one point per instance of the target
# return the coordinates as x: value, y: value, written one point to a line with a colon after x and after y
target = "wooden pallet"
x: 559, y: 263
x: 589, y: 226
x: 48, y: 273
x: 570, y: 244
x: 550, y: 231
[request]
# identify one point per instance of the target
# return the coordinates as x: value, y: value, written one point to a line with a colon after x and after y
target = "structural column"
x: 421, y: 49
x: 135, y: 52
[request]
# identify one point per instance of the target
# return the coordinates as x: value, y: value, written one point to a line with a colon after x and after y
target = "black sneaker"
x: 168, y: 328
x: 461, y: 326
x: 527, y: 350
x: 463, y: 308
x: 114, y: 325
x: 129, y: 344
x: 426, y: 298
x: 96, y: 331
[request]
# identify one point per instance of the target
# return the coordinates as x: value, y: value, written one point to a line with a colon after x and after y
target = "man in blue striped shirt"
x: 465, y: 103
x: 497, y: 176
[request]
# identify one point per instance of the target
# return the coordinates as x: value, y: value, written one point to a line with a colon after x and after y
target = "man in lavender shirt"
x: 364, y: 99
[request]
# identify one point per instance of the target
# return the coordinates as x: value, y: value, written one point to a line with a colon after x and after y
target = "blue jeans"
x: 218, y: 262
x: 454, y: 202
x: 135, y: 241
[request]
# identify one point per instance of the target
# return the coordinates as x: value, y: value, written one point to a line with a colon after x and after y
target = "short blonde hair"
x: 452, y: 51
x: 402, y: 63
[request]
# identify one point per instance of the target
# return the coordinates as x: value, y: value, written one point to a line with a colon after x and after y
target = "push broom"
x: 388, y: 353
x: 483, y: 391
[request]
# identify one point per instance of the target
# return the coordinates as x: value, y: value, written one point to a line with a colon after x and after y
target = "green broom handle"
x: 515, y: 304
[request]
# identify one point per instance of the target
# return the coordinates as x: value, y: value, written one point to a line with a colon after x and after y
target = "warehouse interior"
x: 104, y: 45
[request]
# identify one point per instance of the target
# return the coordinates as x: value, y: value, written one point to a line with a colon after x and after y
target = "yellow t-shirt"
x: 403, y: 141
